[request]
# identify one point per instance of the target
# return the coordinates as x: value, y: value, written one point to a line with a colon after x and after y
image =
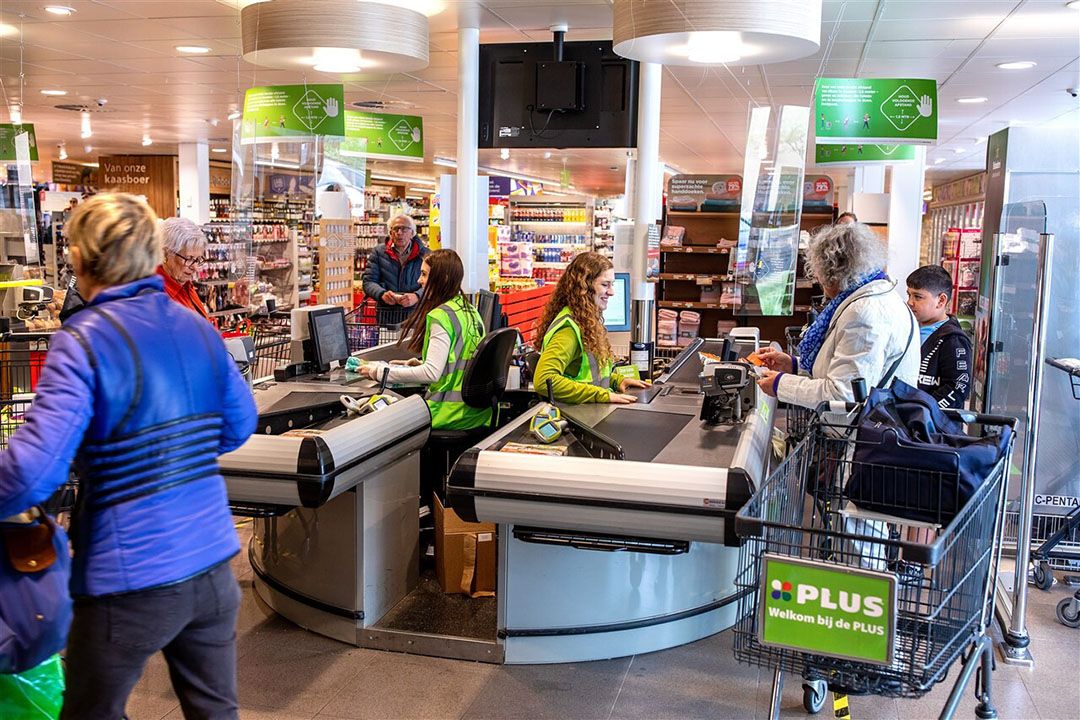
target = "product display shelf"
x: 551, y: 231
x: 961, y: 256
x: 281, y: 235
x: 603, y: 227
x: 337, y: 257
x: 228, y: 257
x: 697, y: 277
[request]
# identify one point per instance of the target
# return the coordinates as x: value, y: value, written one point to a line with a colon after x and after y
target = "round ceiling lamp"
x: 707, y: 32
x: 335, y: 36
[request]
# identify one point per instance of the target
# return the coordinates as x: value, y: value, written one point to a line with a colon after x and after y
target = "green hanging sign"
x: 837, y: 611
x: 391, y: 137
x: 8, y: 131
x: 859, y: 153
x: 875, y: 110
x: 292, y: 111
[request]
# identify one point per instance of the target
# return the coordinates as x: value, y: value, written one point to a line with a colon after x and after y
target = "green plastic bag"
x: 35, y: 694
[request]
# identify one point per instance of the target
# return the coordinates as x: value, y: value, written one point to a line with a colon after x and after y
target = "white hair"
x: 408, y: 218
x: 180, y: 234
x: 841, y: 255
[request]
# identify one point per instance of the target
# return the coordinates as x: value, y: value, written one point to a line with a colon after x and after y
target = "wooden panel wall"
x: 153, y: 176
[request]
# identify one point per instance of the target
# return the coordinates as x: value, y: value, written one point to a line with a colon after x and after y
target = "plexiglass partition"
x: 771, y: 209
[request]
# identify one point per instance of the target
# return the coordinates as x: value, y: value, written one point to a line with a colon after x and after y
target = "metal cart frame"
x: 943, y: 588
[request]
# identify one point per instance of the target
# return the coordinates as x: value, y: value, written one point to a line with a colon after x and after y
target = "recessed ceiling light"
x: 547, y: 155
x: 6, y: 30
x: 192, y: 49
x: 1018, y: 65
x: 971, y: 100
x: 959, y: 151
x: 939, y: 161
x: 54, y: 92
x: 147, y: 141
x: 59, y: 9
x: 504, y: 153
x: 234, y: 115
x: 219, y: 150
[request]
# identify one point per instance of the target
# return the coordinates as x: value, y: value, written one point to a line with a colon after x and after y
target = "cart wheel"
x: 814, y: 693
x: 1067, y: 614
x: 1043, y: 576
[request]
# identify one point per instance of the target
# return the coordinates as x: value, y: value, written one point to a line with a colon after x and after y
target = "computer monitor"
x: 329, y: 341
x: 617, y: 315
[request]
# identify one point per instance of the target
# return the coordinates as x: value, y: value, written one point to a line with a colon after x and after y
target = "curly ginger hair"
x: 575, y: 291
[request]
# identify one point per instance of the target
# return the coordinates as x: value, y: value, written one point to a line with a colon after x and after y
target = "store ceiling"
x: 124, y: 51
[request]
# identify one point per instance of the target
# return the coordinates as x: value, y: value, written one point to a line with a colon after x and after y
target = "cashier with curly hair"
x: 576, y: 355
x: 142, y: 396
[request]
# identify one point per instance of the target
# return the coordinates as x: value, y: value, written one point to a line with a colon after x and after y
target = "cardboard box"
x: 465, y: 554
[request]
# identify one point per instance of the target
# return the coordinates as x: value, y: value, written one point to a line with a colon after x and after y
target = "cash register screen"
x: 617, y: 315
x: 328, y: 338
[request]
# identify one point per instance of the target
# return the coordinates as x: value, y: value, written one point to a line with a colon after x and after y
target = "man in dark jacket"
x: 945, y: 371
x: 392, y: 275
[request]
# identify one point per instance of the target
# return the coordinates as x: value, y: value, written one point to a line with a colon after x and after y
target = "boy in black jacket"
x: 945, y: 371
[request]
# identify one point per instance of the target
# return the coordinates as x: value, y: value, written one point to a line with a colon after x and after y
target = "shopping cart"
x: 797, y: 418
x: 372, y: 324
x: 905, y: 599
x: 22, y: 357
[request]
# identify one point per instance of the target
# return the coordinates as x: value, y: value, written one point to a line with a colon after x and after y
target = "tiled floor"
x: 290, y: 674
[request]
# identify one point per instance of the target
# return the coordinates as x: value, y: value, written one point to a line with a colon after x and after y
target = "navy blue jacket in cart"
x: 141, y: 394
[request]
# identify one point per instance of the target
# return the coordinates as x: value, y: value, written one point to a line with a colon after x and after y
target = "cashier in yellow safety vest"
x: 445, y: 329
x: 576, y: 355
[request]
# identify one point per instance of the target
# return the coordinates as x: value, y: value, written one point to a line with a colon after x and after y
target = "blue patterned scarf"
x: 814, y: 338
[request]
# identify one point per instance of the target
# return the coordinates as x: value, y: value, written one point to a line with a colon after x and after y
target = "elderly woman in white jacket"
x: 865, y: 331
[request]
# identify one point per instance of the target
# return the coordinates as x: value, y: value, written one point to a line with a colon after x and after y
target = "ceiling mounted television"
x: 557, y: 95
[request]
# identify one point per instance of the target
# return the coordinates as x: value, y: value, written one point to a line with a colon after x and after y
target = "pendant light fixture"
x: 704, y: 32
x: 335, y: 36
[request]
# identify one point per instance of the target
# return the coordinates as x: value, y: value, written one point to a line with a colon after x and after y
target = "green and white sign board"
x: 392, y: 137
x: 8, y: 132
x: 859, y: 153
x: 841, y: 612
x: 875, y: 111
x: 292, y: 111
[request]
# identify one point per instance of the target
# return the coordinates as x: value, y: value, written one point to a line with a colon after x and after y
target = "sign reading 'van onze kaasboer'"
x: 829, y: 610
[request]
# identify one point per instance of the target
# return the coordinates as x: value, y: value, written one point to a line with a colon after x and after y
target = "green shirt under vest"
x: 576, y: 375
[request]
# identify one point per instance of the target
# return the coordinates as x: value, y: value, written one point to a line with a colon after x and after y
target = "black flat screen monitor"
x: 329, y: 342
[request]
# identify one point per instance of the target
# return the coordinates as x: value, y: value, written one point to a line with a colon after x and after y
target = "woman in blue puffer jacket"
x: 140, y: 393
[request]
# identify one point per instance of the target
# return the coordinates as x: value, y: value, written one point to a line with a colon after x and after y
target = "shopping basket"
x: 22, y: 357
x: 372, y: 324
x: 861, y: 602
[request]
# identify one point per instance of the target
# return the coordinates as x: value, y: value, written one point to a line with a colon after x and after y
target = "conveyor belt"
x: 642, y: 434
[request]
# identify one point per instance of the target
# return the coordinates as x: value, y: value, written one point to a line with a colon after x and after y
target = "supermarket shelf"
x: 548, y: 265
x: 214, y: 283
x: 700, y: 249
x: 223, y: 313
x: 556, y: 244
x: 690, y: 213
x: 550, y: 222
x: 694, y: 277
x: 688, y: 305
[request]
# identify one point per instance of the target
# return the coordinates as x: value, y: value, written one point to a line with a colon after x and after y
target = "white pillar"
x: 869, y: 179
x: 647, y: 185
x: 195, y: 182
x: 905, y: 217
x: 467, y: 235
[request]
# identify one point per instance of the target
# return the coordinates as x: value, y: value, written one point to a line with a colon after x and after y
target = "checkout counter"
x: 626, y: 543
x: 623, y: 545
x: 333, y: 495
